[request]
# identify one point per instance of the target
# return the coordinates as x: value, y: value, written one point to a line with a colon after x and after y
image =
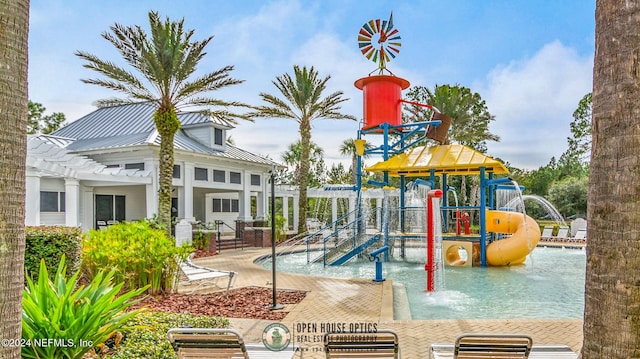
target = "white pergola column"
x: 296, y: 212
x: 285, y: 210
x: 352, y: 208
x: 244, y: 199
x: 87, y: 217
x: 334, y: 209
x: 378, y: 212
x: 152, y: 188
x: 188, y: 193
x: 32, y: 199
x: 72, y: 202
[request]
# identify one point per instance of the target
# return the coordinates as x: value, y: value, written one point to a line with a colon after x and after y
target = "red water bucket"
x: 381, y: 99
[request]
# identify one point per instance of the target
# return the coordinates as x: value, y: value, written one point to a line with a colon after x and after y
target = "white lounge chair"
x: 547, y: 232
x: 381, y: 344
x: 205, y: 343
x: 563, y: 234
x: 471, y: 346
x: 581, y: 235
x: 202, y: 275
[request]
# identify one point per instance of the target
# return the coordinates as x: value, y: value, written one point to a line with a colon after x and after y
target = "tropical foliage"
x: 302, y: 101
x: 51, y: 244
x: 164, y: 61
x: 145, y: 334
x: 140, y: 255
x: 41, y: 123
x: 63, y: 319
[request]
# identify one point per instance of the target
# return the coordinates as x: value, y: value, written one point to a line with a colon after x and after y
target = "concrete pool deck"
x: 361, y: 303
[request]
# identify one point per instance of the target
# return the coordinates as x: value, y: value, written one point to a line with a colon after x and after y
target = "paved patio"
x: 362, y: 304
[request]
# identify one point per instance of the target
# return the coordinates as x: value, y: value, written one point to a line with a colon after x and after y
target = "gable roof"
x: 132, y: 125
x: 450, y: 159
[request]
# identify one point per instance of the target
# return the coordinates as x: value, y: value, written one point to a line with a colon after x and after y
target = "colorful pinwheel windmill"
x: 379, y: 41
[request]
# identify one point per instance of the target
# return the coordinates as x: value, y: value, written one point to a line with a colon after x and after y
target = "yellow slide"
x: 513, y: 250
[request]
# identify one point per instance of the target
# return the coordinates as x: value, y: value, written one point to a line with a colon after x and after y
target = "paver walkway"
x: 361, y: 304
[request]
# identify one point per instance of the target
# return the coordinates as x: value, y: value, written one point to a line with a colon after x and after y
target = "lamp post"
x: 275, y: 305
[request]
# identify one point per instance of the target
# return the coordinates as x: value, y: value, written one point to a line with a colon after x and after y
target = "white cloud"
x: 533, y: 101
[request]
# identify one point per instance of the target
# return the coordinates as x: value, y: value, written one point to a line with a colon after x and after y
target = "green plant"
x: 139, y: 254
x: 61, y: 319
x: 145, y: 336
x: 50, y: 244
x: 281, y: 230
x: 200, y: 240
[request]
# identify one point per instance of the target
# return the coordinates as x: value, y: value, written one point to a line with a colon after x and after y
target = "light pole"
x: 275, y: 305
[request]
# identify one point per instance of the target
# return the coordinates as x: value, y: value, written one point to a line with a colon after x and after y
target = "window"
x: 176, y: 171
x: 134, y: 166
x: 52, y: 201
x: 218, y: 136
x: 226, y: 205
x: 113, y: 166
x: 218, y: 176
x: 110, y: 208
x: 234, y: 177
x: 255, y: 180
x: 201, y: 174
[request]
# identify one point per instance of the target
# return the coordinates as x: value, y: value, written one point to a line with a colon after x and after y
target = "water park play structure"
x: 419, y: 154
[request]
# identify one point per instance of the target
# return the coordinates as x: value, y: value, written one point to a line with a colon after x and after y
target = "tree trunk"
x: 303, y: 183
x: 167, y: 124
x: 612, y: 294
x: 14, y: 29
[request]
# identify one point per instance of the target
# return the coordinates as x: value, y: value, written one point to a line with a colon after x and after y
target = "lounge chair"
x: 581, y: 236
x: 547, y: 232
x: 381, y: 344
x: 205, y: 343
x: 503, y: 346
x: 563, y: 234
x: 202, y: 275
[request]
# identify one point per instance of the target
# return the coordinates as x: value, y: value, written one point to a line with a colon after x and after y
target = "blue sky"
x: 532, y: 61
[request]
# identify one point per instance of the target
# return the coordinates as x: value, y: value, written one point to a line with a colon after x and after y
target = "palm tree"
x: 291, y: 158
x: 302, y: 103
x: 470, y: 119
x: 13, y: 102
x: 611, y: 313
x: 166, y: 60
x: 348, y: 148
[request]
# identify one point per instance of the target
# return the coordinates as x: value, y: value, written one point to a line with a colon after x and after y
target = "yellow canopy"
x: 449, y: 159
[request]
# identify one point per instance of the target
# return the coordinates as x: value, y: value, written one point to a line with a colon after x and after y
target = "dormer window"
x: 218, y: 136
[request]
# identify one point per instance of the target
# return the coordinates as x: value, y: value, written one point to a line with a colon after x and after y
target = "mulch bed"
x: 249, y: 302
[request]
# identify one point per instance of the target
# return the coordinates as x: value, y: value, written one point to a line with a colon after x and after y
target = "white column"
x: 352, y: 208
x: 188, y: 192
x: 285, y: 210
x: 152, y: 188
x: 72, y: 201
x: 296, y: 212
x: 32, y: 199
x: 334, y: 209
x: 87, y: 217
x: 244, y: 198
x: 378, y: 212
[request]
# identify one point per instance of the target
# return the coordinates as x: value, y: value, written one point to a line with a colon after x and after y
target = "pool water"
x: 549, y: 285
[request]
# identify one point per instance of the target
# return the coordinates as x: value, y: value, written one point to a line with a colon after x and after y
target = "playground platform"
x: 336, y: 301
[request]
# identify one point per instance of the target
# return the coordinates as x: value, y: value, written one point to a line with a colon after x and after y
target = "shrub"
x: 139, y: 254
x: 63, y: 320
x: 50, y: 244
x: 146, y: 334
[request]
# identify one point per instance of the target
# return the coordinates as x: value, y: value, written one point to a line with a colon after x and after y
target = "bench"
x: 380, y: 344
